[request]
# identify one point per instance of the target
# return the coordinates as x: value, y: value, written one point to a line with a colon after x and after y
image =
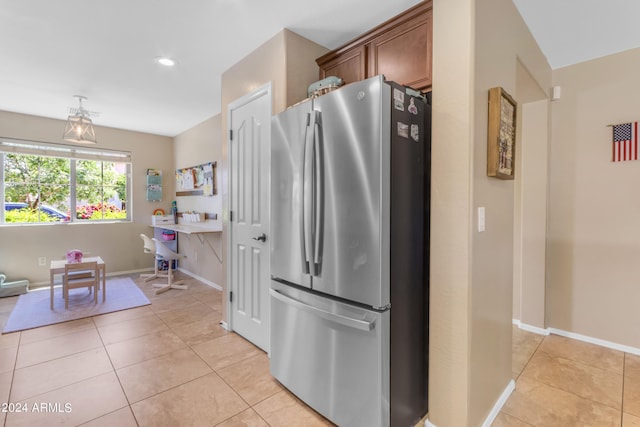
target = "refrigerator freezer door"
x: 333, y: 356
x: 352, y: 200
x: 290, y: 252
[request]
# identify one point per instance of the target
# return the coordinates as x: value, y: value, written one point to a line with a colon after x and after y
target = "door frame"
x: 259, y: 92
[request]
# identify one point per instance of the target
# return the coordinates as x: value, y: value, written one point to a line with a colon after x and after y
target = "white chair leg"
x: 162, y: 289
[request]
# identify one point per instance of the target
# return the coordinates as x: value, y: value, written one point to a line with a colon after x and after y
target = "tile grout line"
x: 115, y: 372
x: 55, y: 337
x: 13, y: 375
x: 571, y: 391
x: 624, y: 367
x: 535, y: 350
x: 176, y: 386
x: 249, y: 406
x: 171, y: 329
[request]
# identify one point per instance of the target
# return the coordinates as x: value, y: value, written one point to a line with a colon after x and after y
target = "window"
x: 44, y: 183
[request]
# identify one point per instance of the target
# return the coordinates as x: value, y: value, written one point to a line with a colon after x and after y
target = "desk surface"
x: 198, y: 228
x: 58, y: 264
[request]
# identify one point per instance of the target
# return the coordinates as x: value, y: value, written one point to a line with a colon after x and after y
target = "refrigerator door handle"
x: 362, y: 325
x: 306, y: 198
x: 318, y: 216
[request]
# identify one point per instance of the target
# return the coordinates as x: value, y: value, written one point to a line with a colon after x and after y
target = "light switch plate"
x: 481, y: 219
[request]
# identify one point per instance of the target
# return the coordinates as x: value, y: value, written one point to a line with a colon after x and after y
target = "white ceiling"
x: 52, y: 50
x: 574, y: 31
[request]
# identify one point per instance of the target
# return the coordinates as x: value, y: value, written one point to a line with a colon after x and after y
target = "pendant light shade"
x: 79, y: 128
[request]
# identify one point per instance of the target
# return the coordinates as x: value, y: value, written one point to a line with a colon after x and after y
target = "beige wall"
x: 531, y: 200
x: 476, y: 47
x: 118, y: 244
x: 201, y: 144
x: 287, y: 60
x: 502, y: 41
x: 593, y: 247
x: 450, y: 269
x: 531, y: 214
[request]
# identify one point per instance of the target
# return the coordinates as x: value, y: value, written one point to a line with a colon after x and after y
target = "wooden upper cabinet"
x: 399, y: 48
x: 351, y: 66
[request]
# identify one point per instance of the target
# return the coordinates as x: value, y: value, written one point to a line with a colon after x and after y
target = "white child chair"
x: 166, y: 254
x: 150, y: 248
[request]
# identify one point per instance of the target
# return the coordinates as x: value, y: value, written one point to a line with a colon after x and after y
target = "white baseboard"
x: 202, y: 279
x: 45, y: 283
x: 224, y: 325
x: 579, y: 337
x: 597, y: 341
x: 120, y: 273
x: 511, y: 386
x: 530, y: 328
x: 141, y: 270
x: 499, y: 404
x: 494, y: 411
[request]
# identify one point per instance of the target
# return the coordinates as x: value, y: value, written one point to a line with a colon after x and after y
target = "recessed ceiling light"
x: 167, y: 62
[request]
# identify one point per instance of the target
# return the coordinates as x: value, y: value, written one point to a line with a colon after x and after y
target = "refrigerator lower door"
x: 333, y: 356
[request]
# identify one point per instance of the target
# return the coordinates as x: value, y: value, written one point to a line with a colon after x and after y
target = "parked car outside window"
x: 48, y: 210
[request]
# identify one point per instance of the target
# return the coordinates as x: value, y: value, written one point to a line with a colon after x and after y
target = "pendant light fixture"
x: 79, y: 128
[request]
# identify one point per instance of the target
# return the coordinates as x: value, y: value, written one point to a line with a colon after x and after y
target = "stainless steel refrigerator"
x: 349, y: 261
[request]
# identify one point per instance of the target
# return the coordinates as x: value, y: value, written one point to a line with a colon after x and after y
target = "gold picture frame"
x: 501, y: 134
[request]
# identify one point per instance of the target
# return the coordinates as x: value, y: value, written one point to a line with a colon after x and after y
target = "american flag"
x: 625, y: 142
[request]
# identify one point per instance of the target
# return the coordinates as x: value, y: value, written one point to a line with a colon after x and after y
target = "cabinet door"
x: 350, y: 66
x: 404, y: 53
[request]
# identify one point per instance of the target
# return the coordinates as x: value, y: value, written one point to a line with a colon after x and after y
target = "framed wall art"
x: 501, y: 134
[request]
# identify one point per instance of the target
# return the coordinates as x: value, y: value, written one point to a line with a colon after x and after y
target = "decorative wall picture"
x: 501, y: 134
x: 196, y: 180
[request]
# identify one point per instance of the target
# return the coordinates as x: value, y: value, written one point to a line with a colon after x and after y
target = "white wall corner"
x: 202, y: 279
x: 499, y: 404
x: 530, y: 328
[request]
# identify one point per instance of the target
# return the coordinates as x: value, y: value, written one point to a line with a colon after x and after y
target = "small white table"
x: 57, y: 267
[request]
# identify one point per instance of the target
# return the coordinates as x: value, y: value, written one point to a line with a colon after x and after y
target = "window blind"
x: 60, y: 150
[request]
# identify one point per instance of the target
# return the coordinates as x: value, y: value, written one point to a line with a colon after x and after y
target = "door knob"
x: 261, y: 238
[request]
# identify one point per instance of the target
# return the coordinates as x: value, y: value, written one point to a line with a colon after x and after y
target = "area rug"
x: 33, y: 310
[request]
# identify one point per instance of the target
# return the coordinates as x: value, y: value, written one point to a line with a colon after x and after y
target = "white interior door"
x: 249, y: 152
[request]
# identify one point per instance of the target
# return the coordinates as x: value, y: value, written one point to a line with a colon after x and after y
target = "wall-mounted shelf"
x: 207, y: 215
x: 154, y: 185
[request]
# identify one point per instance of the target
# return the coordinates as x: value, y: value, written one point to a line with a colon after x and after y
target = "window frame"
x: 73, y: 153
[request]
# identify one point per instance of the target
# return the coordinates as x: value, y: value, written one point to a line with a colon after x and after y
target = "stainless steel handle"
x: 318, y: 217
x: 307, y: 198
x: 350, y: 322
x: 303, y: 202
